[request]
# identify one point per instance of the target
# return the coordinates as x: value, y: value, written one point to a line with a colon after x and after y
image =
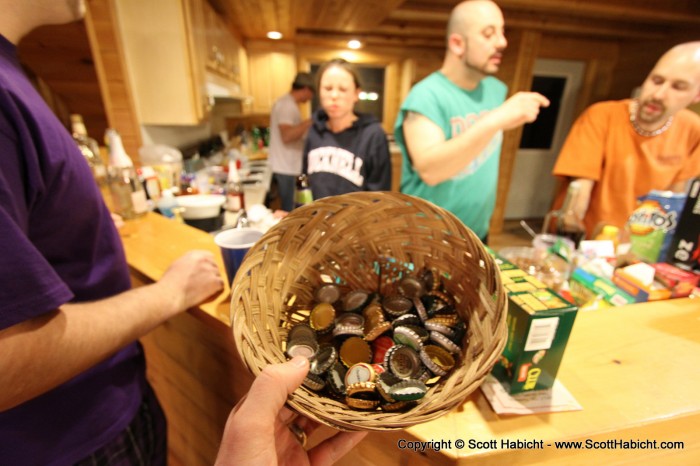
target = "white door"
x: 532, y: 185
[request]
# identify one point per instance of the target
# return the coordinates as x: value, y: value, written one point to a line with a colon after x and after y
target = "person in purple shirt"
x: 72, y: 375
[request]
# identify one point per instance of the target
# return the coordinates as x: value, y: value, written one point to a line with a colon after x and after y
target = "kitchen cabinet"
x: 178, y: 53
x: 271, y: 73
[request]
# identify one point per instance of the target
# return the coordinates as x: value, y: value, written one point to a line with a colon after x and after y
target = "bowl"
x: 369, y: 241
x: 201, y: 206
x: 549, y: 268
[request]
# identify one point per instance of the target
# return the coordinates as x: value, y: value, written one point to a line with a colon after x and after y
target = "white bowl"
x: 199, y: 206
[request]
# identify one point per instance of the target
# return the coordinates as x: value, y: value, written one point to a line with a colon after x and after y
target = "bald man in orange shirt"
x: 621, y: 150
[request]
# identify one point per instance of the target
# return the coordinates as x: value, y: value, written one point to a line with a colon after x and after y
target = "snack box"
x: 641, y: 291
x: 684, y: 250
x: 539, y: 324
x: 514, y: 279
x: 598, y: 286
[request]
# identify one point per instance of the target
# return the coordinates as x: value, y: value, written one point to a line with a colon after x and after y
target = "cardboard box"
x: 640, y: 291
x: 680, y: 282
x: 598, y: 286
x: 684, y: 250
x: 539, y: 324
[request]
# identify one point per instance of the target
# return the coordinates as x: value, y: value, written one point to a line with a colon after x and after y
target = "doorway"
x: 532, y: 187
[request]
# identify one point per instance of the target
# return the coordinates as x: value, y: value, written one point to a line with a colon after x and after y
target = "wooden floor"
x: 514, y: 234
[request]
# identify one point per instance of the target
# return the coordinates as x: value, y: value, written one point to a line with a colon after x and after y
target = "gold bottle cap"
x: 397, y: 406
x: 448, y: 320
x: 377, y: 331
x: 364, y: 390
x: 437, y: 359
x: 359, y: 403
x: 355, y: 350
x: 322, y: 317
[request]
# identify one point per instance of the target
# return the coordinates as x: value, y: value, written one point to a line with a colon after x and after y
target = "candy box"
x: 585, y: 284
x: 539, y: 324
x: 680, y: 282
x: 638, y: 281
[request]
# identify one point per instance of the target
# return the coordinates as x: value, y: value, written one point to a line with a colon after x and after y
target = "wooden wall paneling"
x: 105, y: 43
x: 635, y: 62
x: 190, y: 360
x: 526, y: 43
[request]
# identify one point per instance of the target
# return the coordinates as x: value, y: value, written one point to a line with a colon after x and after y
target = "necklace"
x: 641, y: 131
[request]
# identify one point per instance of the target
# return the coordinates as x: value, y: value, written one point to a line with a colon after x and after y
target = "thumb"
x: 270, y: 389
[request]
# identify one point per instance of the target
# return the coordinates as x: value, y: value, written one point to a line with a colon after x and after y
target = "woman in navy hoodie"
x: 345, y: 151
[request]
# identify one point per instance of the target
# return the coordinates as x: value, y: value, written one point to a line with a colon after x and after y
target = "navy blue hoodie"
x: 356, y: 159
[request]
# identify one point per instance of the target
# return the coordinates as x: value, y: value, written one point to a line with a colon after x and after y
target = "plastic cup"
x: 253, y: 193
x: 234, y: 244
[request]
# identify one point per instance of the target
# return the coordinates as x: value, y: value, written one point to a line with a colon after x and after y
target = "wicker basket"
x: 366, y: 241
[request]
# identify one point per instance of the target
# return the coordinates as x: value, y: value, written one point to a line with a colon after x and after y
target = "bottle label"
x: 138, y: 199
x: 303, y: 197
x: 234, y: 202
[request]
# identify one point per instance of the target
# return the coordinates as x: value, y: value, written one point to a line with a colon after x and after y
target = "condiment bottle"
x: 128, y: 195
x: 234, y: 189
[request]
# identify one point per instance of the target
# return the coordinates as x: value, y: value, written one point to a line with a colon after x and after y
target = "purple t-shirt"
x: 58, y: 244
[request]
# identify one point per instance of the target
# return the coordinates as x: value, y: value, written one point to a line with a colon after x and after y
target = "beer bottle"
x: 303, y: 195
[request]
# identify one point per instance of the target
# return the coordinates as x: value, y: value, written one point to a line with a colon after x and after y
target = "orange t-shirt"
x: 603, y: 146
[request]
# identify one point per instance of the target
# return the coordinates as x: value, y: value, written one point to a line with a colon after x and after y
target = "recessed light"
x: 274, y: 35
x: 354, y: 44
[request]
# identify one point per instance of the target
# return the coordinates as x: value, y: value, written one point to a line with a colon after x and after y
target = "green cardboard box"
x: 539, y: 324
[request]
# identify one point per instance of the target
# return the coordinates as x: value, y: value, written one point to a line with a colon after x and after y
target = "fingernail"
x: 299, y: 361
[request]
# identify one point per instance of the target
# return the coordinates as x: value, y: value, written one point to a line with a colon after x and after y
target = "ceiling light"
x: 274, y: 35
x: 354, y: 44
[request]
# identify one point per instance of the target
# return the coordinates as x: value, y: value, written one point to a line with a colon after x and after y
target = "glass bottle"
x: 234, y: 189
x: 566, y: 221
x: 90, y: 150
x: 128, y: 195
x: 303, y: 195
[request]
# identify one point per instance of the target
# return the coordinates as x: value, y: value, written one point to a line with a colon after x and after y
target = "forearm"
x: 42, y: 353
x: 291, y: 133
x: 443, y: 159
x: 584, y: 197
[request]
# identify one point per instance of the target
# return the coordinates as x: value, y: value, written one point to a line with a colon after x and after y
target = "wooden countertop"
x: 632, y: 369
x: 152, y: 242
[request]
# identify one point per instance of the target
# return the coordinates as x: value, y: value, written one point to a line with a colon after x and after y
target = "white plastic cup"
x: 254, y: 193
x: 235, y: 244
